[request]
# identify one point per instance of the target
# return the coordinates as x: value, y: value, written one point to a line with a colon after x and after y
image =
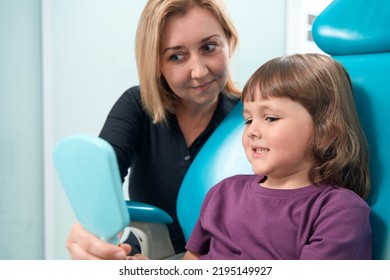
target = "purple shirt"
x: 241, y: 220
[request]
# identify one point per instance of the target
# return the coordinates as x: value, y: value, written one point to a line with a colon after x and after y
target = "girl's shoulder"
x: 234, y: 183
x: 238, y: 180
x: 337, y: 195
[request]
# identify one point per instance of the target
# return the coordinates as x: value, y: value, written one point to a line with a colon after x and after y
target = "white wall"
x: 21, y: 207
x: 261, y: 28
x: 87, y: 62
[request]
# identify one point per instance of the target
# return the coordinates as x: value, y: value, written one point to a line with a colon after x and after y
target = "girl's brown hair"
x: 155, y: 93
x: 323, y: 86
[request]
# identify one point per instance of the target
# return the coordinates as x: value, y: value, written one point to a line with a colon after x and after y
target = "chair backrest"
x: 357, y: 33
x: 220, y: 157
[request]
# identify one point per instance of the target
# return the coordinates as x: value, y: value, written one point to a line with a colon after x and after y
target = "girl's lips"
x: 259, y: 151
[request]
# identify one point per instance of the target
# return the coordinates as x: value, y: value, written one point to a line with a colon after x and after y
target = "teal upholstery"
x: 221, y: 156
x: 349, y: 27
x: 357, y: 33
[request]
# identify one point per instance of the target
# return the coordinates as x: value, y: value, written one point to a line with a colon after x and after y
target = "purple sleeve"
x: 340, y: 233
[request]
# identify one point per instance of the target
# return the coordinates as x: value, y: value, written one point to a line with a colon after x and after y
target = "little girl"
x: 310, y: 159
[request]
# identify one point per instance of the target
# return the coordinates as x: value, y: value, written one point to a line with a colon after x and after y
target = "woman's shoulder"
x: 129, y: 103
x: 227, y: 102
x: 132, y: 94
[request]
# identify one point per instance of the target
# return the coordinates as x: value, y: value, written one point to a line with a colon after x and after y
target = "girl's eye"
x: 209, y: 47
x: 248, y: 121
x: 176, y: 57
x: 271, y: 119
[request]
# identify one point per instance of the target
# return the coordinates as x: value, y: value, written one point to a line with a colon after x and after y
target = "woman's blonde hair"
x: 323, y: 87
x: 156, y: 95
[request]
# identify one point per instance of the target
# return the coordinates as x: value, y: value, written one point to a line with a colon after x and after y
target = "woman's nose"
x: 198, y: 68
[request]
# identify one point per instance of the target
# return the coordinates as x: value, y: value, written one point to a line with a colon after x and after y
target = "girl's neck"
x: 285, y: 183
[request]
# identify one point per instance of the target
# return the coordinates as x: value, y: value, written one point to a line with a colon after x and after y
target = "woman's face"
x: 194, y: 57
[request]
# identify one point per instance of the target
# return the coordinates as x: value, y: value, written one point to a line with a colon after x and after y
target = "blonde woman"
x: 183, y: 48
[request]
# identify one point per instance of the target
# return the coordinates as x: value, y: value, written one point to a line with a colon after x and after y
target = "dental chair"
x: 357, y: 34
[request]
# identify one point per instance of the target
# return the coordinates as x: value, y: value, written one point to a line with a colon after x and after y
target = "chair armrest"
x: 148, y: 224
x: 142, y: 212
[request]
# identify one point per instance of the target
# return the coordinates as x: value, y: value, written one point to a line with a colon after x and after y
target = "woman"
x: 157, y: 129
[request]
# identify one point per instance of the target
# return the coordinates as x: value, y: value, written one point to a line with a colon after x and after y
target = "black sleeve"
x: 123, y: 128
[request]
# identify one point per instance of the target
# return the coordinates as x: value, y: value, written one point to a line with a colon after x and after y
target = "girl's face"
x: 276, y: 139
x: 194, y: 57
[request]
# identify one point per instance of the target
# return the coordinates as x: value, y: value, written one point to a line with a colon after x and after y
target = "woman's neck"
x: 194, y: 120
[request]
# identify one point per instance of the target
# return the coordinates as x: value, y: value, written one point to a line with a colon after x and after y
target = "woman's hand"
x: 137, y: 257
x: 83, y: 245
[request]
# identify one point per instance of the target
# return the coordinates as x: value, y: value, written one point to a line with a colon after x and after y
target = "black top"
x: 157, y: 153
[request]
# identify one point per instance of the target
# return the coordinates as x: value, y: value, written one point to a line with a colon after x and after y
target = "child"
x: 310, y: 160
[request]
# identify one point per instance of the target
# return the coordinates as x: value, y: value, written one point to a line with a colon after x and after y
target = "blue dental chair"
x: 357, y: 34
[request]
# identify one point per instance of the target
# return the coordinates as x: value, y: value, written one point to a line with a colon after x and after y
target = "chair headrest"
x: 353, y: 27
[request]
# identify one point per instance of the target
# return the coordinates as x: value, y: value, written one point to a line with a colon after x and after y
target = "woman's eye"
x: 209, y: 47
x: 176, y: 57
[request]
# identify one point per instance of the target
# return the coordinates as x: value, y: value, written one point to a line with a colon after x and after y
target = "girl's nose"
x: 253, y: 132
